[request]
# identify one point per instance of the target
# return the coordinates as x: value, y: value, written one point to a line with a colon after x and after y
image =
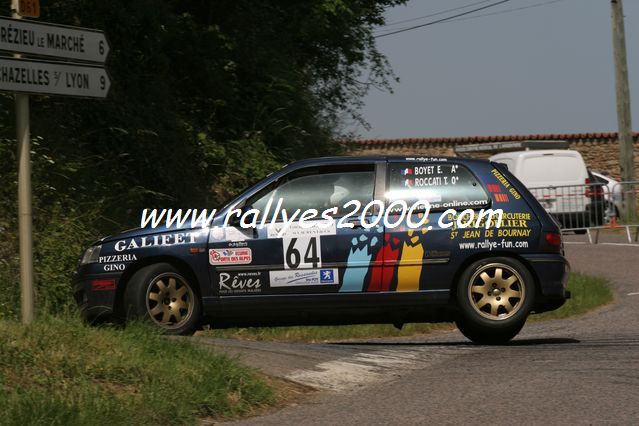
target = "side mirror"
x: 236, y: 218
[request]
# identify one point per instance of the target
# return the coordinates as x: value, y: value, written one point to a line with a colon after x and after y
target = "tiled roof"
x: 571, y: 137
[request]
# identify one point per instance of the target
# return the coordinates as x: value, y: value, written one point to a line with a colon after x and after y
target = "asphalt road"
x: 580, y: 370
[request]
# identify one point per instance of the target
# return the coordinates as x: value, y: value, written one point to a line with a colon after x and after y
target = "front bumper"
x: 95, y: 296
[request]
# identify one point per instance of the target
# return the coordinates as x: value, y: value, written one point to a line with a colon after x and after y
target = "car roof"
x: 345, y: 159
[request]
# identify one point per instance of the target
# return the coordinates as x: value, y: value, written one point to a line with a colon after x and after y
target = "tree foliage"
x: 207, y: 96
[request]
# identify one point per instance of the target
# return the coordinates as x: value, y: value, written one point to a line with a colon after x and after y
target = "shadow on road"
x: 520, y: 342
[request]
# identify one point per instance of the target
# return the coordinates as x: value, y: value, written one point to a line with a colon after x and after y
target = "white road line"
x: 575, y: 242
x: 339, y: 375
x: 633, y: 294
x: 364, y: 368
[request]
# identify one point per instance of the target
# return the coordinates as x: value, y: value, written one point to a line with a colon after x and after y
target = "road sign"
x: 53, y: 78
x: 29, y: 8
x: 41, y: 38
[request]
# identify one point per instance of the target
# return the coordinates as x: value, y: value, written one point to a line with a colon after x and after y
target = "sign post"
x: 23, y: 135
x: 24, y: 76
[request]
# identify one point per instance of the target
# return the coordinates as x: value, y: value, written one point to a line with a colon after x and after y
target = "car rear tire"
x: 160, y: 294
x: 494, y: 296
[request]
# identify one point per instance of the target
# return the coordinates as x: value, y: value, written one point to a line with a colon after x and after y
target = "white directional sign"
x: 37, y: 38
x: 53, y: 78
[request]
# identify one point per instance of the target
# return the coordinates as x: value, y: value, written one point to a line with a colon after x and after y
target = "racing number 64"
x: 293, y: 249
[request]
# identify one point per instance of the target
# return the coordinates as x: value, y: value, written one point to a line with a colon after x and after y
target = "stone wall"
x: 599, y: 150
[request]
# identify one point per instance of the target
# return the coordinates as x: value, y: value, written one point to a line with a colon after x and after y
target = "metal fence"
x: 592, y: 207
x: 624, y: 208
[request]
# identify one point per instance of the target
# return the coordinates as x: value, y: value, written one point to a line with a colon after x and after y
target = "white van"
x: 558, y: 178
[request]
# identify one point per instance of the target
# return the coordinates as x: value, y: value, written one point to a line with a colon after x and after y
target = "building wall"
x: 599, y: 153
x: 604, y: 157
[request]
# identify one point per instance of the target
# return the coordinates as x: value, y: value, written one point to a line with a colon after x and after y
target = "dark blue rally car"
x: 342, y: 240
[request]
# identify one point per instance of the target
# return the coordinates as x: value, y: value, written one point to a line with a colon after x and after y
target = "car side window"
x: 443, y: 185
x: 319, y: 189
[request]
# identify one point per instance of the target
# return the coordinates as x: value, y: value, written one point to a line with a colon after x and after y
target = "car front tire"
x: 160, y: 294
x: 494, y: 297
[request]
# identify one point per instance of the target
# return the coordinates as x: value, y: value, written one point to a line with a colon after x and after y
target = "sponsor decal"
x: 508, y: 220
x: 513, y: 224
x: 240, y: 283
x: 117, y: 258
x: 238, y: 244
x: 493, y: 245
x: 163, y: 240
x: 513, y: 232
x: 512, y: 191
x: 303, y: 278
x: 427, y: 159
x: 320, y: 227
x: 327, y: 276
x: 230, y: 256
x: 103, y: 285
x: 114, y: 267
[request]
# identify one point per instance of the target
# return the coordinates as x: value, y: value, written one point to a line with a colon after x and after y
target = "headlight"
x: 91, y: 255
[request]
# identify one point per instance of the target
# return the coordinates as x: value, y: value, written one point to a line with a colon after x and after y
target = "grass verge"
x: 58, y: 371
x: 588, y: 293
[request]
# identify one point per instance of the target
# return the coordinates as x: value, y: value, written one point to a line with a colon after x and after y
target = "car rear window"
x: 551, y: 168
x: 442, y: 185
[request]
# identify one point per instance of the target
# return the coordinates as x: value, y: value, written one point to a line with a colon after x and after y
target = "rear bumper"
x: 574, y: 219
x: 552, y: 272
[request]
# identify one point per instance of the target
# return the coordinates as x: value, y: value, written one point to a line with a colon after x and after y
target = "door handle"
x: 356, y: 224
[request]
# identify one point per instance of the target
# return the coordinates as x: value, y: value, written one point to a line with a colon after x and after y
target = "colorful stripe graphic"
x: 382, y: 278
x: 411, y: 263
x: 358, y: 263
x: 493, y: 187
x: 502, y: 198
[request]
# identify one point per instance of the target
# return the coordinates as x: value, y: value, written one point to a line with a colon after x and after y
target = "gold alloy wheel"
x: 169, y: 300
x: 496, y: 291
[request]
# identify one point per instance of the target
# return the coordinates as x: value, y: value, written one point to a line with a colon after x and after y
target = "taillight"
x: 553, y: 238
x: 588, y: 192
x: 594, y: 190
